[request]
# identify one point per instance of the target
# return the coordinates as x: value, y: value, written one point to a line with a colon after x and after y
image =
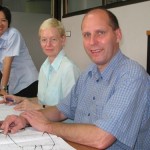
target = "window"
x: 51, y: 7
x: 77, y: 7
x: 31, y: 6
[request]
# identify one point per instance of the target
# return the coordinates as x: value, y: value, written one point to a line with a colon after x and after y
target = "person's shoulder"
x: 13, y: 30
x: 68, y: 63
x: 45, y: 63
x: 132, y: 67
x: 67, y: 60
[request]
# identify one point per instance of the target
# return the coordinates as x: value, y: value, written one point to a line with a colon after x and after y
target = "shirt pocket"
x: 98, y: 112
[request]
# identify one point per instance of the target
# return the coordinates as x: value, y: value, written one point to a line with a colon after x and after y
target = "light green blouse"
x: 56, y: 79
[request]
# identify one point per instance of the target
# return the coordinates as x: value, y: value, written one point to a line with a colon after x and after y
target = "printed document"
x: 29, y: 138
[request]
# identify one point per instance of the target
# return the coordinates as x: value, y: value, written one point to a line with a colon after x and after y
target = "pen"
x: 9, y: 100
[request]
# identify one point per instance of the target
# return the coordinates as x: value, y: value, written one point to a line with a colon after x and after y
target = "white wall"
x: 134, y: 21
x: 28, y: 24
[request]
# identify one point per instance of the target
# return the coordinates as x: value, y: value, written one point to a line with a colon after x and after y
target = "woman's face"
x: 51, y: 42
x: 3, y: 23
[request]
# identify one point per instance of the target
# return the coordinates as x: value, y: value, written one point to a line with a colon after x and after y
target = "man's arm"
x: 20, y: 122
x: 85, y: 134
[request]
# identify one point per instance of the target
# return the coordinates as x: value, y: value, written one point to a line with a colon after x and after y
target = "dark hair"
x: 113, y: 20
x: 7, y: 14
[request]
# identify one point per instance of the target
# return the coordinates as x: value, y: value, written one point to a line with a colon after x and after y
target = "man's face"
x: 100, y: 41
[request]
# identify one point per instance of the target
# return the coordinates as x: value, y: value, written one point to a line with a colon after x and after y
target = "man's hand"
x: 37, y: 120
x: 13, y: 124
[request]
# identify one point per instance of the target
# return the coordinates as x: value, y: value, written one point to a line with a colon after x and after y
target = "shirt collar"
x: 106, y: 74
x: 112, y: 65
x: 3, y: 40
x: 57, y: 61
x: 4, y: 36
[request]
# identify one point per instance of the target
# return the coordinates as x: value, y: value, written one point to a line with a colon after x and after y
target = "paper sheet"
x: 29, y: 138
x: 6, y: 110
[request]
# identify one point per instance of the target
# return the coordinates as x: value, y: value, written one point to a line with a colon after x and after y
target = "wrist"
x: 25, y: 122
x: 41, y: 106
x: 3, y: 87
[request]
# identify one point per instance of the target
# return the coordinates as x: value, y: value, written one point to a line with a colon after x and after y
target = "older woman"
x: 57, y: 74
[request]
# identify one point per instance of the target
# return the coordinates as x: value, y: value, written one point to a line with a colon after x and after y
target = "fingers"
x: 7, y: 124
x: 19, y: 107
x: 32, y: 115
x: 1, y: 122
x: 15, y: 127
x: 9, y: 99
x: 13, y: 124
x: 22, y: 106
x: 27, y: 105
x: 2, y: 101
x: 36, y: 119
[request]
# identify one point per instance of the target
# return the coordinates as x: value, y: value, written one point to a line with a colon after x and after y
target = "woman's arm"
x: 5, y: 74
x: 52, y: 113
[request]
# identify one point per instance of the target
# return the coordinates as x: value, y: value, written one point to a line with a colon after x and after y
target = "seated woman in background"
x: 19, y: 74
x: 57, y: 74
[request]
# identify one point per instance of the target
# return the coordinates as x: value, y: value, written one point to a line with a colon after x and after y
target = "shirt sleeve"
x: 123, y: 113
x: 14, y: 43
x: 69, y: 78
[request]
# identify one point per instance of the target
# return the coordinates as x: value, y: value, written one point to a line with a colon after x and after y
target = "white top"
x: 23, y: 71
x: 56, y: 79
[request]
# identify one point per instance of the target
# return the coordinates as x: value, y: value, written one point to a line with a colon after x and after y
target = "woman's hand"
x: 27, y: 104
x: 11, y: 99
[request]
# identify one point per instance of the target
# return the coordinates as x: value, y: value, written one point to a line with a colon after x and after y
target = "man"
x: 109, y: 103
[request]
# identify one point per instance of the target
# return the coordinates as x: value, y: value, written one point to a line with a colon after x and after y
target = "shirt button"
x: 93, y: 97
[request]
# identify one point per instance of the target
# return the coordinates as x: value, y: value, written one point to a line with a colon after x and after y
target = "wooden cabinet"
x: 148, y: 52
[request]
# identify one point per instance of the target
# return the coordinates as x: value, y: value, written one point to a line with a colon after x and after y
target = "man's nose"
x: 93, y: 40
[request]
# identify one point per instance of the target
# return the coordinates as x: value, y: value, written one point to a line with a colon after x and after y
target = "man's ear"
x: 118, y: 35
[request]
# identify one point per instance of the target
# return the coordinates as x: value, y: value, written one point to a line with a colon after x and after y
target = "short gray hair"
x: 52, y: 22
